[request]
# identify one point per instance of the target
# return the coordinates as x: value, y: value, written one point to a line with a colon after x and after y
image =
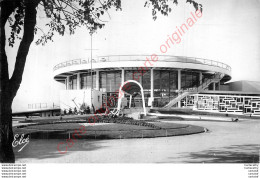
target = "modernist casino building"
x: 167, y: 81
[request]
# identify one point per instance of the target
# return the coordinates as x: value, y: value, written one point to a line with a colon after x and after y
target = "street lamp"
x: 91, y: 56
x: 91, y: 87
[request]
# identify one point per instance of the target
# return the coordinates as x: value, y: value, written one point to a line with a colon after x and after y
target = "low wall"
x: 247, y: 105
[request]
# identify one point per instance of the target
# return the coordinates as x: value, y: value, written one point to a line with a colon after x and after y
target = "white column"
x: 214, y: 86
x: 130, y: 102
x: 142, y: 91
x: 179, y: 85
x: 67, y: 82
x: 152, y: 87
x: 123, y: 76
x: 179, y: 79
x: 152, y: 83
x: 120, y: 89
x: 78, y: 81
x: 123, y: 80
x: 200, y: 78
x: 97, y: 80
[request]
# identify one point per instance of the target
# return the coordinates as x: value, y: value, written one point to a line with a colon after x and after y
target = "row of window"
x: 165, y: 82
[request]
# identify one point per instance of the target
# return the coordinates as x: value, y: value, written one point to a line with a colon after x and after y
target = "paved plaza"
x: 226, y: 142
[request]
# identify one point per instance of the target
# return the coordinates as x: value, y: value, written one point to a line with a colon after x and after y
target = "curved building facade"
x: 163, y: 78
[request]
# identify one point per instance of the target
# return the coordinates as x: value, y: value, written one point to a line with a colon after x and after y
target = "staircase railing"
x: 204, y: 84
x: 216, y: 77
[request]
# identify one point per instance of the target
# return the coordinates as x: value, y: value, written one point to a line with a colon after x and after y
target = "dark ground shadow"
x: 233, y: 154
x: 44, y: 148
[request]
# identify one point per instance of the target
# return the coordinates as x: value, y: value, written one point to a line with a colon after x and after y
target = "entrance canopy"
x: 131, y: 87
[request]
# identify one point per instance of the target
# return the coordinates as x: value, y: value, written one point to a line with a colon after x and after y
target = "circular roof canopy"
x: 131, y: 87
x: 135, y: 62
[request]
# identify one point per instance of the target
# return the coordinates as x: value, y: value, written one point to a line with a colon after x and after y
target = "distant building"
x: 244, y: 86
x: 168, y: 81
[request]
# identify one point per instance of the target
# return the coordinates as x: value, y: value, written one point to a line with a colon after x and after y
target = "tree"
x: 164, y: 6
x: 63, y: 15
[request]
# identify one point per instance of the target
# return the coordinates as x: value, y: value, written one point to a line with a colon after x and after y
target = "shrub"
x: 122, y: 120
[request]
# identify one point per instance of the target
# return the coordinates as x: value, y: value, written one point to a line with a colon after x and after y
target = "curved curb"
x: 179, y: 130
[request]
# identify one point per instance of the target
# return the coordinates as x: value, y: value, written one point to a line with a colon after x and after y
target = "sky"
x: 228, y: 31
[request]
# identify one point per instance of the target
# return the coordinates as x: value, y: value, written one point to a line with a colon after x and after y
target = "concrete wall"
x: 243, y: 85
x: 224, y: 88
x: 75, y: 98
x: 235, y: 86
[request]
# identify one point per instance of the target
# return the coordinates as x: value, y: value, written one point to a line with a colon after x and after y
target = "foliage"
x: 63, y: 15
x: 164, y: 6
x: 68, y: 15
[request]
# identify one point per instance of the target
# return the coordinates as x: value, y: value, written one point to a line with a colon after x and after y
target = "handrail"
x: 196, y: 88
x: 165, y: 58
x: 205, y: 83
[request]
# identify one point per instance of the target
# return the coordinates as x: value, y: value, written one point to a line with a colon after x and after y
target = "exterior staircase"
x: 215, y: 79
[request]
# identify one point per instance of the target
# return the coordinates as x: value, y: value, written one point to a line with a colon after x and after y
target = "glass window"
x: 173, y: 80
x: 94, y: 80
x: 110, y: 81
x: 146, y: 80
x: 102, y: 81
x: 117, y: 80
x: 128, y: 75
x: 165, y: 86
x: 165, y: 83
x: 146, y: 84
x: 157, y: 83
x: 73, y: 82
x: 133, y: 75
x: 85, y: 80
x: 189, y: 79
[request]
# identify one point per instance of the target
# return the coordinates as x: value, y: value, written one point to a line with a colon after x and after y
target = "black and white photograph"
x: 130, y: 88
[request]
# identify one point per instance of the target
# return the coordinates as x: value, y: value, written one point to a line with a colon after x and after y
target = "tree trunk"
x: 9, y: 87
x: 6, y: 135
x: 6, y: 132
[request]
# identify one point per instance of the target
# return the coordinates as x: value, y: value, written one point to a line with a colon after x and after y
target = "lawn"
x: 108, y: 130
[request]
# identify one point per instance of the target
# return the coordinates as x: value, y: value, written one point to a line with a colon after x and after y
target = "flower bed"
x: 98, y: 119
